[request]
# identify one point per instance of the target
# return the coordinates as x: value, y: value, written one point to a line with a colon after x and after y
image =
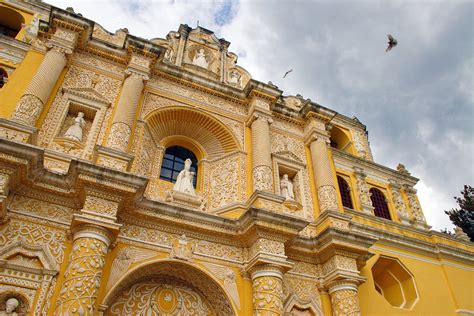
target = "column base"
x: 18, y: 132
x: 112, y: 158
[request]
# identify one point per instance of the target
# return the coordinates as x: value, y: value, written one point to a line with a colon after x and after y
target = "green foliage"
x: 464, y: 215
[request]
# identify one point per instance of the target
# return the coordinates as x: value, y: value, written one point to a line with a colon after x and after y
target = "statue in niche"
x: 286, y: 187
x: 74, y: 132
x: 10, y: 306
x: 200, y: 59
x: 184, y: 181
x: 234, y: 78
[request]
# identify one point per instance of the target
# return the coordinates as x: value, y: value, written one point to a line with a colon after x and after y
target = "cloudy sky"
x: 417, y: 100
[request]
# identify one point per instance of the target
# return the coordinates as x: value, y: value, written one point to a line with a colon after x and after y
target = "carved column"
x: 94, y: 230
x: 261, y: 153
x: 121, y: 129
x: 344, y: 298
x: 363, y: 191
x: 83, y: 276
x: 318, y: 142
x: 39, y: 89
x: 400, y: 206
x: 267, y: 290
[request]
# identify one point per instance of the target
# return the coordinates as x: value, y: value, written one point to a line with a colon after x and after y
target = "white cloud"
x: 417, y: 101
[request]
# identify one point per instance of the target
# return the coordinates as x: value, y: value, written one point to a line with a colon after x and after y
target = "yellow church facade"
x: 157, y: 177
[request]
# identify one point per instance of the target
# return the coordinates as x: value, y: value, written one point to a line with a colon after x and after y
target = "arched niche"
x: 10, y: 22
x: 213, y: 136
x: 340, y: 140
x: 171, y: 276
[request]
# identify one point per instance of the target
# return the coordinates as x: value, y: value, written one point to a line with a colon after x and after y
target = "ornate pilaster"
x: 398, y: 201
x: 261, y: 154
x: 121, y: 130
x: 344, y: 298
x: 416, y: 212
x: 267, y: 290
x: 40, y: 87
x: 94, y: 230
x: 318, y: 140
x: 363, y: 191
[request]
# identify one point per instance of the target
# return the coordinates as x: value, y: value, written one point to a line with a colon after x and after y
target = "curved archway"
x: 10, y: 22
x: 215, y: 138
x: 166, y: 274
x: 340, y: 140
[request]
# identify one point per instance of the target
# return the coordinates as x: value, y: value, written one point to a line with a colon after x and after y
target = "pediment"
x: 88, y: 93
x: 23, y: 254
x: 289, y: 155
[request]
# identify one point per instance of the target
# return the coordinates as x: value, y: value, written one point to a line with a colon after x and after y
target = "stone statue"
x: 184, y: 181
x: 286, y: 187
x: 74, y: 132
x: 234, y: 78
x: 11, y: 304
x: 200, y: 59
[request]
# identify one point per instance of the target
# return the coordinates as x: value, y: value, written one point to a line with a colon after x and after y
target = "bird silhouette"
x: 286, y: 73
x: 391, y: 43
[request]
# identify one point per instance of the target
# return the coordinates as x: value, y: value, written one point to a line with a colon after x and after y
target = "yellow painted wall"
x: 436, y: 296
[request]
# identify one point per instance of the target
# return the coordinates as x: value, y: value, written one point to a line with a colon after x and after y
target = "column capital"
x: 315, y: 135
x: 267, y: 270
x: 90, y: 227
x: 256, y: 115
x: 63, y: 40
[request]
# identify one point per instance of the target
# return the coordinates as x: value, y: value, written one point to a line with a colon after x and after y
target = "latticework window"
x: 173, y: 163
x: 345, y: 192
x: 379, y: 203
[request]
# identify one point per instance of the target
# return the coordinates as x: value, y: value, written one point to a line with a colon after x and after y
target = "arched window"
x: 173, y: 163
x: 345, y: 192
x: 3, y: 77
x: 10, y: 22
x: 380, y: 204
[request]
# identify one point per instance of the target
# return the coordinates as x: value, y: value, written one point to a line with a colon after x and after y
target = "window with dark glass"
x: 3, y: 77
x: 173, y: 163
x: 379, y: 203
x: 345, y: 192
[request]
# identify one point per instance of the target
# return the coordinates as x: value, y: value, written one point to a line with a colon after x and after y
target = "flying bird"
x: 391, y: 43
x: 286, y: 73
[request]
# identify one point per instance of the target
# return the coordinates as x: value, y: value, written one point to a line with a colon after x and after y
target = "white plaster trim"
x: 465, y: 311
x: 30, y: 214
x: 94, y: 235
x: 351, y: 287
x: 422, y: 259
x: 259, y: 274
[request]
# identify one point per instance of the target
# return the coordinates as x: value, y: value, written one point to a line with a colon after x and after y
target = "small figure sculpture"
x: 286, y: 187
x: 74, y: 132
x: 234, y: 78
x: 184, y: 181
x: 401, y: 168
x: 200, y: 59
x: 11, y: 304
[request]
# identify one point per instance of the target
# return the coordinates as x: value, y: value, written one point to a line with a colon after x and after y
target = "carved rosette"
x: 267, y: 283
x: 327, y: 198
x: 119, y: 136
x: 344, y: 298
x: 83, y: 276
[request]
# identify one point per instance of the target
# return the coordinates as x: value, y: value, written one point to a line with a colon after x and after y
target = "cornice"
x: 370, y: 166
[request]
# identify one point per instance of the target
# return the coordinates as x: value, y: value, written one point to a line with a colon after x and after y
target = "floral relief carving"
x: 267, y: 296
x: 28, y: 110
x: 119, y: 136
x: 224, y: 180
x: 34, y: 234
x: 219, y: 250
x: 415, y: 207
x: 262, y: 178
x: 41, y: 208
x: 100, y: 205
x: 82, y: 278
x: 266, y: 246
x: 345, y: 302
x: 327, y: 198
x: 399, y: 203
x: 305, y: 289
x: 146, y: 234
x: 363, y: 190
x: 283, y: 125
x: 161, y: 296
